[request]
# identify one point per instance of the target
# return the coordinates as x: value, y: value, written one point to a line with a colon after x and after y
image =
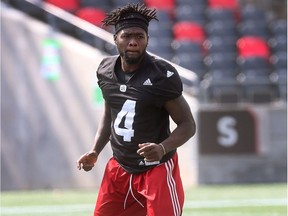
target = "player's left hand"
x: 150, y: 151
x: 87, y: 161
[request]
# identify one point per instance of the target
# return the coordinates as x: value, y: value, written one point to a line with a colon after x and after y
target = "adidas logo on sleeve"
x: 169, y: 73
x: 147, y: 82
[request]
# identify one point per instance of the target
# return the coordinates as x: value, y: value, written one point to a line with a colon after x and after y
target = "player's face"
x: 131, y: 44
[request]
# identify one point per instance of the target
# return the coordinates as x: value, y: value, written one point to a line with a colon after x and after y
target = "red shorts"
x: 156, y: 192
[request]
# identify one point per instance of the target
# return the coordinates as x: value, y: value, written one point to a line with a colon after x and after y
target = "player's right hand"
x: 87, y: 161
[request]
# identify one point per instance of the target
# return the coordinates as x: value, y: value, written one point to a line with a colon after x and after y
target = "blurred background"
x: 232, y: 58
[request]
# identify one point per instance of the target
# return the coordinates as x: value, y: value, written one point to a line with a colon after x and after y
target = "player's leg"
x: 165, y: 194
x: 114, y: 197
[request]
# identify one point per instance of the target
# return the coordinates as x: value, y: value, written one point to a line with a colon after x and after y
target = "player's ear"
x: 115, y: 37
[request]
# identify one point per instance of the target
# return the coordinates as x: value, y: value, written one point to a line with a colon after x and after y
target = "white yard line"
x: 52, y: 209
x: 235, y: 203
x: 49, y: 209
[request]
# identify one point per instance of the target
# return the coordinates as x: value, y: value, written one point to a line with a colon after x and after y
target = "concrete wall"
x: 46, y: 125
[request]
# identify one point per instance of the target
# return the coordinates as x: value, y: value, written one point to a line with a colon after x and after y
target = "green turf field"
x: 231, y: 200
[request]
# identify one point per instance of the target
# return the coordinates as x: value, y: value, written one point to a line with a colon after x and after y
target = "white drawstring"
x: 130, y: 189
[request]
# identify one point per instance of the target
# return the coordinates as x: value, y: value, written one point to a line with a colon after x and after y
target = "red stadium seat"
x: 91, y: 14
x: 168, y: 5
x: 228, y: 4
x: 185, y: 30
x: 249, y: 46
x: 70, y: 5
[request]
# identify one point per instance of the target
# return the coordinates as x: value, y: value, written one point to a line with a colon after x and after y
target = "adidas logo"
x: 148, y: 163
x: 169, y: 74
x: 147, y: 82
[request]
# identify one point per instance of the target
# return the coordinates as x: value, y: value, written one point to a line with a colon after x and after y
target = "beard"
x: 131, y: 60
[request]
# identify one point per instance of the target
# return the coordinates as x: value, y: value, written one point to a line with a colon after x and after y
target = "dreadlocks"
x: 130, y: 15
x: 114, y: 17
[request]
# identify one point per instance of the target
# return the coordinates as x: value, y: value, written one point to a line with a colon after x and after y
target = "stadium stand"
x: 241, y: 43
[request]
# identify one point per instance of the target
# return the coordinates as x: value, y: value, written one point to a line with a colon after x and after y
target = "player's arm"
x: 88, y: 160
x: 180, y: 112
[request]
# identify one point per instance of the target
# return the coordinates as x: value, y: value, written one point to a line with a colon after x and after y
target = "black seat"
x: 191, y: 62
x: 187, y: 46
x: 160, y: 30
x: 103, y: 4
x: 279, y: 27
x: 121, y: 3
x: 161, y: 47
x: 196, y: 3
x: 222, y: 29
x: 279, y: 60
x: 282, y: 89
x: 219, y: 90
x: 260, y: 92
x: 278, y: 43
x: 257, y: 84
x: 250, y: 63
x: 254, y: 22
x: 222, y: 76
x: 282, y: 83
x: 252, y: 28
x: 164, y: 17
x: 215, y: 44
x: 253, y: 13
x: 220, y: 14
x: 190, y: 13
x: 221, y: 62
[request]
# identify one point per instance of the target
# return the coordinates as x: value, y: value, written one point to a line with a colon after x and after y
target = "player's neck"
x: 128, y: 67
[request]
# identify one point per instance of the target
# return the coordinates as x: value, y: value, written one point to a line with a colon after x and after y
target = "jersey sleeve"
x: 170, y: 85
x: 104, y: 72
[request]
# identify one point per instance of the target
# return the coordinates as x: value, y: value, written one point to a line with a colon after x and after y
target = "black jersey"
x: 137, y: 108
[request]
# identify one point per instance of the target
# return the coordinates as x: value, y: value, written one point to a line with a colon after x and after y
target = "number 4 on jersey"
x: 127, y: 112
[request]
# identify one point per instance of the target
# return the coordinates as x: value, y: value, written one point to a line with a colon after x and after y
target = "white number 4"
x: 127, y: 112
